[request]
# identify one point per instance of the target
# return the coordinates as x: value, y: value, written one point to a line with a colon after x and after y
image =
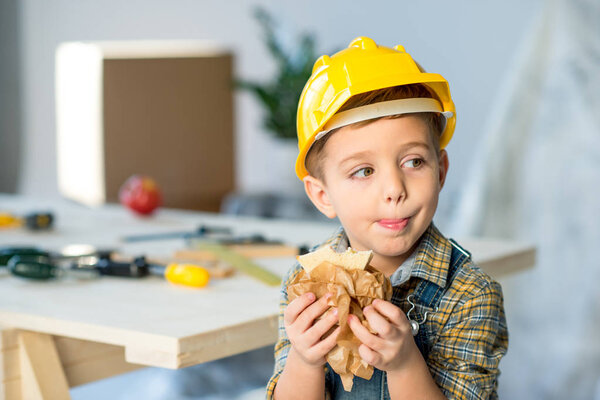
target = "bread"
x: 350, y: 259
x: 353, y: 285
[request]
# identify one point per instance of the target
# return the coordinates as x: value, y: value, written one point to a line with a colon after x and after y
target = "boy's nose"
x: 394, y: 188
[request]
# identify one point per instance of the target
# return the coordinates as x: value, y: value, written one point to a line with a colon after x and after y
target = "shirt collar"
x: 433, y: 257
x: 430, y: 260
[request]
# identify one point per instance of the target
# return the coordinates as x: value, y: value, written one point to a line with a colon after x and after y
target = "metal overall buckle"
x: 414, y: 325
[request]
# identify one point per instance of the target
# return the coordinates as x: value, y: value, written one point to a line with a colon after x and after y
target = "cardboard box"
x: 163, y: 109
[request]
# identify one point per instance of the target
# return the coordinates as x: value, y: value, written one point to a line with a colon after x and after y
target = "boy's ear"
x: 315, y: 190
x: 444, y: 164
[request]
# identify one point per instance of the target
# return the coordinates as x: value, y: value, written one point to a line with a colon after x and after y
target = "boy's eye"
x: 414, y: 163
x: 364, y: 172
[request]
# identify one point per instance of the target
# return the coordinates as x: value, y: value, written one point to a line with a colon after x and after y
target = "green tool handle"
x: 240, y: 263
x: 33, y: 267
x: 6, y: 253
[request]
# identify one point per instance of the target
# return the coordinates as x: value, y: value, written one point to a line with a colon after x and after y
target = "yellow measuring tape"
x: 240, y: 262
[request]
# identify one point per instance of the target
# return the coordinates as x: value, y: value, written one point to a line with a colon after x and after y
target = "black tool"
x: 201, y: 231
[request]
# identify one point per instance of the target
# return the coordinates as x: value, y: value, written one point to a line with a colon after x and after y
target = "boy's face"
x: 382, y: 181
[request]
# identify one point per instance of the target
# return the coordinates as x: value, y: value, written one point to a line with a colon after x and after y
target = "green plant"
x: 280, y: 95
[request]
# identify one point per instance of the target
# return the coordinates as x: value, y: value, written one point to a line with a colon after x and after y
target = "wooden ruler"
x: 254, y: 250
x: 239, y: 261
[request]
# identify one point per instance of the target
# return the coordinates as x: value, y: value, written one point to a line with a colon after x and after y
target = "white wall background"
x: 471, y: 43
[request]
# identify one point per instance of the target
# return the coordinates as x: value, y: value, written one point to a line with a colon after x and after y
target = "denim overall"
x: 426, y: 294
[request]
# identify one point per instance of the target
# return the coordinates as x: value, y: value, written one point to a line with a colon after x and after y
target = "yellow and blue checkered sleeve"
x: 464, y: 359
x: 282, y: 347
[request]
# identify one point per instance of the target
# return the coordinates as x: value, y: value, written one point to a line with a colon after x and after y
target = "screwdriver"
x: 33, y: 221
x: 184, y: 274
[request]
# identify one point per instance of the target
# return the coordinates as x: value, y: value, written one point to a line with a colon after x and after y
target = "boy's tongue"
x: 394, y: 224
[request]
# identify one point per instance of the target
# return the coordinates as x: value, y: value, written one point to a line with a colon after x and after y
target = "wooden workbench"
x: 63, y: 333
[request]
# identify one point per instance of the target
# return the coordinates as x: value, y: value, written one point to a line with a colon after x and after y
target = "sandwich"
x: 354, y: 284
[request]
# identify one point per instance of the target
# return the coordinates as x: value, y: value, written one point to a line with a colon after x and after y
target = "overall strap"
x: 428, y: 294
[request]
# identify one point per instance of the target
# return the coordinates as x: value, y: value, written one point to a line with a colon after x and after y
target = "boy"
x: 372, y: 127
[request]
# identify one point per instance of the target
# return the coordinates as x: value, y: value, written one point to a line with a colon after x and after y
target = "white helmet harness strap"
x: 384, y: 109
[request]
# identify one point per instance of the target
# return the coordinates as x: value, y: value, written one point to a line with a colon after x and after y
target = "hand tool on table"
x: 33, y: 263
x: 210, y: 243
x: 251, y: 246
x: 34, y: 221
x: 201, y: 231
x: 183, y: 274
x: 239, y: 262
x: 237, y: 252
x: 6, y: 253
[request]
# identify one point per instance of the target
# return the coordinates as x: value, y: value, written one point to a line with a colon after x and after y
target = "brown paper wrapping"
x: 352, y: 291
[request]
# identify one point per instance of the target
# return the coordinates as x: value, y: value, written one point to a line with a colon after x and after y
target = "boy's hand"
x: 305, y: 334
x: 393, y: 345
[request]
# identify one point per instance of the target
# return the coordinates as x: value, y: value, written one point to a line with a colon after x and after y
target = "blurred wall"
x: 470, y: 43
x: 10, y: 95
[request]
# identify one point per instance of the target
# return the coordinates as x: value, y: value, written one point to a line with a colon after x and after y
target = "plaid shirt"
x: 469, y: 327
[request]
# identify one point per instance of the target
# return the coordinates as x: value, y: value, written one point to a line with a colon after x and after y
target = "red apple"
x: 141, y: 194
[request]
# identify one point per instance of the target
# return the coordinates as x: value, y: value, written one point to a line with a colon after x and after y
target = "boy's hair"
x: 316, y: 154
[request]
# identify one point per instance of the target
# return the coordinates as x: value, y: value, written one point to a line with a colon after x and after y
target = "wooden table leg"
x: 40, y: 366
x: 42, y: 374
x: 10, y: 376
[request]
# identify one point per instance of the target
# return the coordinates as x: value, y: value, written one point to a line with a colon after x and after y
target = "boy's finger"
x: 390, y: 311
x: 296, y: 307
x: 371, y: 357
x: 380, y: 324
x: 363, y: 333
x: 307, y: 317
x: 322, y: 326
x: 324, y: 346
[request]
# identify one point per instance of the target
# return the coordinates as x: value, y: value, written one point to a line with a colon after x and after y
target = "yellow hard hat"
x: 363, y: 67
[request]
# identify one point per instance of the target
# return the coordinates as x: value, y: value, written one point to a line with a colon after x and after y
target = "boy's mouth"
x: 394, y: 224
